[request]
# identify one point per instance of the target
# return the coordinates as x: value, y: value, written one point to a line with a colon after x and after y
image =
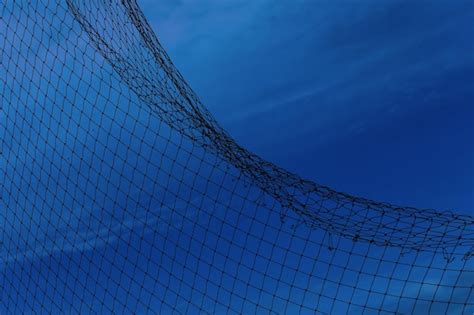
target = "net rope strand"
x: 122, y: 194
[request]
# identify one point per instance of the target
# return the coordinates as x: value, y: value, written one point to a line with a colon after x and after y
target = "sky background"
x: 374, y: 98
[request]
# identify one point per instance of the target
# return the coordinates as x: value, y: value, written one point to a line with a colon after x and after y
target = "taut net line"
x: 121, y: 194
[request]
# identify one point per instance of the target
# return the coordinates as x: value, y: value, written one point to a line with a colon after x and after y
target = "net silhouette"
x: 121, y: 194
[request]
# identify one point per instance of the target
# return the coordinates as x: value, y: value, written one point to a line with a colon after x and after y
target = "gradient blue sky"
x: 370, y: 97
x: 374, y: 98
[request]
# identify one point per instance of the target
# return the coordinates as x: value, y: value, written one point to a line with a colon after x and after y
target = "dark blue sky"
x: 373, y: 98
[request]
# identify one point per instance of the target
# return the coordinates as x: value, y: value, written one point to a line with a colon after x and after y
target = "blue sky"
x: 373, y: 98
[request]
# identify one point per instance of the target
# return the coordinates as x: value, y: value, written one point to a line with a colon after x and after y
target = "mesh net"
x: 121, y: 193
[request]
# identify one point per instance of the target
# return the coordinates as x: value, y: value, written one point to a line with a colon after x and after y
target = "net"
x: 121, y: 194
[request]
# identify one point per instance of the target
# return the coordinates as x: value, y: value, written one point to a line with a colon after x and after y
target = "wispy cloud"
x: 253, y: 62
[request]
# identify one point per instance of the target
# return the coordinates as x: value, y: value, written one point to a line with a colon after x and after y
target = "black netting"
x: 120, y: 193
